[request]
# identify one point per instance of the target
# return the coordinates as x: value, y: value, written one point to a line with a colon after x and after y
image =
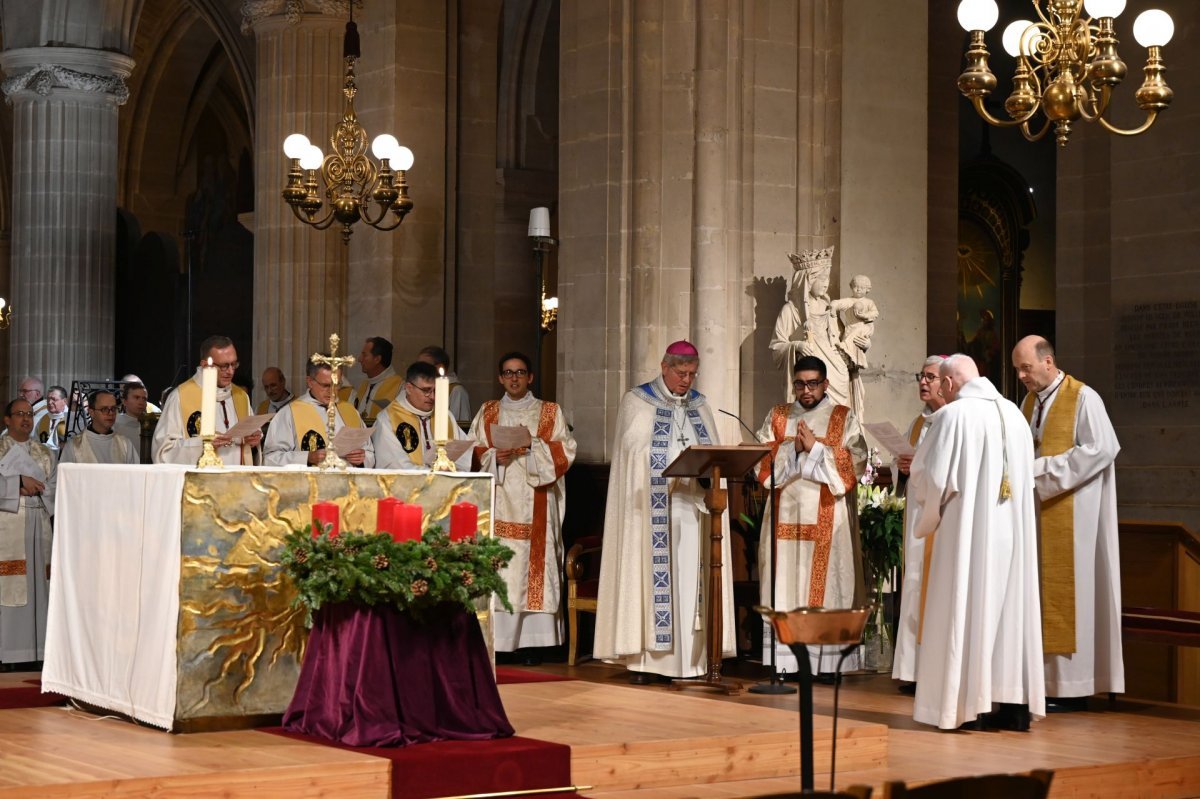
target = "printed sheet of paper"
x: 18, y: 461
x: 349, y: 439
x: 249, y: 425
x: 891, y: 439
x: 510, y: 437
x: 454, y: 450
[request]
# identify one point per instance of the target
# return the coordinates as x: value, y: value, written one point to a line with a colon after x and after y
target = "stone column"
x: 64, y: 197
x: 299, y: 272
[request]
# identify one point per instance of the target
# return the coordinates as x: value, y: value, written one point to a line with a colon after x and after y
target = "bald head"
x: 957, y: 371
x: 274, y: 384
x: 1033, y: 358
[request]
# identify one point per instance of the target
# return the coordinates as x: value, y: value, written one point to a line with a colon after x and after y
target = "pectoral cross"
x: 335, y: 364
x: 683, y: 442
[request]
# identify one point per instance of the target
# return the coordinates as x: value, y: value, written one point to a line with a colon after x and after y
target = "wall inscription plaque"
x: 1157, y: 355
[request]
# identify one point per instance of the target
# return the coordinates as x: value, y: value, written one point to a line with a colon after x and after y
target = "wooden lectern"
x: 714, y: 462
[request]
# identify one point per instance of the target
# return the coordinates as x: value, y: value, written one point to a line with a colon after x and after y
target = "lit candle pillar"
x: 441, y: 407
x: 208, y: 399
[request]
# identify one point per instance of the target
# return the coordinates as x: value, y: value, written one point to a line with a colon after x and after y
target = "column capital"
x: 254, y: 11
x: 41, y: 70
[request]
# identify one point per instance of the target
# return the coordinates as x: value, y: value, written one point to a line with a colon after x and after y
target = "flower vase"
x: 878, y: 644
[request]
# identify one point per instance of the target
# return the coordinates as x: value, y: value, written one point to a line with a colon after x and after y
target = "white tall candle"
x: 208, y: 399
x: 441, y: 407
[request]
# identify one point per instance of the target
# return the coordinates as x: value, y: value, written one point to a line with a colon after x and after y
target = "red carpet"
x: 451, y: 768
x: 28, y: 696
x: 508, y: 675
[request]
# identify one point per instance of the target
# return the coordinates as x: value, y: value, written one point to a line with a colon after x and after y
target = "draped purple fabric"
x: 380, y: 677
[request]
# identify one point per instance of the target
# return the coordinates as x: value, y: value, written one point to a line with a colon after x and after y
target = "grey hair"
x: 934, y: 360
x: 679, y: 360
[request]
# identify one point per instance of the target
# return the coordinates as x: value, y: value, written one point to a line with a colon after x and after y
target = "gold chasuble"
x: 407, y: 427
x: 1058, y: 524
x: 309, y: 423
x: 189, y: 410
x: 821, y: 533
x: 535, y: 532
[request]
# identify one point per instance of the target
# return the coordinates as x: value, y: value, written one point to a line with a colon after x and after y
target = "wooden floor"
x: 629, y: 742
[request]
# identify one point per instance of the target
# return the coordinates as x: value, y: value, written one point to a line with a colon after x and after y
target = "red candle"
x: 464, y: 521
x: 407, y: 523
x: 385, y: 519
x: 325, y: 515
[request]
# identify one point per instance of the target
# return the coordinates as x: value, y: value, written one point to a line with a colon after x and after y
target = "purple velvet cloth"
x: 380, y: 677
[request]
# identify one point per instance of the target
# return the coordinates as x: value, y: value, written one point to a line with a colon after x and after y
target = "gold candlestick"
x: 443, y: 463
x: 209, y: 457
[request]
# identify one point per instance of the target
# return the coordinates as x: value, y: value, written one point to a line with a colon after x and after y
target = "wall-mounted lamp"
x: 547, y: 309
x: 5, y: 314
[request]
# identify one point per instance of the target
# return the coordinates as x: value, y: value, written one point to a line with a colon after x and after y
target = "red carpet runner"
x: 28, y: 696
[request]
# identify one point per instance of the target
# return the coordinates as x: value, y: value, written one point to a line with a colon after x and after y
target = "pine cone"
x: 468, y: 578
x: 352, y: 551
x: 497, y: 562
x: 431, y: 564
x: 380, y: 562
x: 419, y: 587
x: 337, y: 543
x: 300, y: 556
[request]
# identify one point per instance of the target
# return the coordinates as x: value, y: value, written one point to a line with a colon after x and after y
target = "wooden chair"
x: 1034, y: 785
x: 583, y: 583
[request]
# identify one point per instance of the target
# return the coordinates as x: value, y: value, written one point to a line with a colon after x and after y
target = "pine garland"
x: 370, y: 569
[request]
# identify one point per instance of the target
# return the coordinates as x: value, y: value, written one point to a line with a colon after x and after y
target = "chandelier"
x: 1067, y: 64
x: 355, y: 187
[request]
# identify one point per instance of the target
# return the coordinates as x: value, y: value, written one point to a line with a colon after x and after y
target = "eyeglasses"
x: 682, y: 375
x: 228, y: 367
x: 428, y: 392
x: 509, y: 373
x: 106, y: 409
x: 925, y: 377
x: 27, y: 391
x: 22, y: 414
x: 811, y: 385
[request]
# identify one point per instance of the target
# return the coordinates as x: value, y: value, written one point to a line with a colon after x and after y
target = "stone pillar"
x: 64, y: 182
x: 299, y: 272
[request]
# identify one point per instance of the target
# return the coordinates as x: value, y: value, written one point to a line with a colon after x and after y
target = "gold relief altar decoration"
x: 240, y: 639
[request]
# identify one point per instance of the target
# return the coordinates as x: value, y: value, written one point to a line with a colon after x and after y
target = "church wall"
x: 943, y: 104
x: 1128, y: 291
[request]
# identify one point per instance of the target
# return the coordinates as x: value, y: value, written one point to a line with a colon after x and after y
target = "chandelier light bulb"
x: 312, y: 158
x: 385, y: 146
x: 1013, y: 35
x: 294, y: 146
x: 1153, y: 28
x: 402, y: 158
x: 978, y: 15
x: 3, y: 302
x: 1099, y: 9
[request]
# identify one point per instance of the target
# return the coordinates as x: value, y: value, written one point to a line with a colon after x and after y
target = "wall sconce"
x: 549, y: 311
x: 547, y: 308
x: 6, y: 314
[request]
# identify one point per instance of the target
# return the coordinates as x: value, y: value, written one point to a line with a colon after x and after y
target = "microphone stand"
x: 774, y: 685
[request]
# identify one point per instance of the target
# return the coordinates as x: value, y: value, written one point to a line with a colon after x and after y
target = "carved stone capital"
x: 43, y: 69
x: 293, y: 11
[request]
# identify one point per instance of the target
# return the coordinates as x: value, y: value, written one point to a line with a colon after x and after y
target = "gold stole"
x: 309, y: 423
x: 386, y: 390
x: 190, y: 395
x: 1058, y: 524
x: 914, y: 435
x: 401, y: 422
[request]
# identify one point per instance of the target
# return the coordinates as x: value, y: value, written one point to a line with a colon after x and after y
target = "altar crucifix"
x: 335, y: 364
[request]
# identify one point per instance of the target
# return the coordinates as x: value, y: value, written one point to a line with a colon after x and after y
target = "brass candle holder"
x: 209, y: 457
x: 443, y: 463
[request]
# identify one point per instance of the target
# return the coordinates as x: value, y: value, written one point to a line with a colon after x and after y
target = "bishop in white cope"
x: 297, y: 434
x: 177, y: 436
x: 99, y: 443
x: 403, y: 435
x: 530, y: 502
x: 27, y: 478
x: 1075, y: 447
x: 904, y: 662
x: 971, y: 495
x: 819, y: 453
x: 653, y: 566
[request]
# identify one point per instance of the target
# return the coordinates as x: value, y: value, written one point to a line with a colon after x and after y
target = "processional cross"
x: 335, y: 364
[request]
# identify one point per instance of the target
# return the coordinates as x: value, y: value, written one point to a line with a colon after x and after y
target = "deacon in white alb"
x: 98, y: 443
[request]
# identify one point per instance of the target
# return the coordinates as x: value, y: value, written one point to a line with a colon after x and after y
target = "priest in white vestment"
x: 904, y: 662
x: 382, y: 384
x: 98, y: 442
x: 27, y: 479
x: 971, y: 492
x: 403, y: 432
x: 654, y: 563
x: 1075, y: 448
x: 51, y: 429
x: 530, y: 502
x: 177, y: 436
x: 134, y: 402
x: 460, y: 400
x: 819, y: 454
x: 297, y: 435
x: 274, y: 385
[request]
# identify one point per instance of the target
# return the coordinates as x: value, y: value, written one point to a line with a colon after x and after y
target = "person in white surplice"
x: 819, y: 455
x: 28, y: 473
x: 98, y: 443
x: 979, y: 662
x: 297, y: 434
x: 530, y: 502
x: 653, y: 568
x: 1074, y: 448
x: 904, y: 664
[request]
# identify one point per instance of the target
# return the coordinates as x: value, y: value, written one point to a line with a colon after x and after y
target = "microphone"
x: 745, y: 426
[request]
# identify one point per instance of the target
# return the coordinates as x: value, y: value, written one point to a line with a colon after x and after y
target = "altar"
x: 167, y: 600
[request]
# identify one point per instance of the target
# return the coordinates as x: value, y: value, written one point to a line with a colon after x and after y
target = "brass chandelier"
x: 356, y: 188
x: 1067, y: 64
